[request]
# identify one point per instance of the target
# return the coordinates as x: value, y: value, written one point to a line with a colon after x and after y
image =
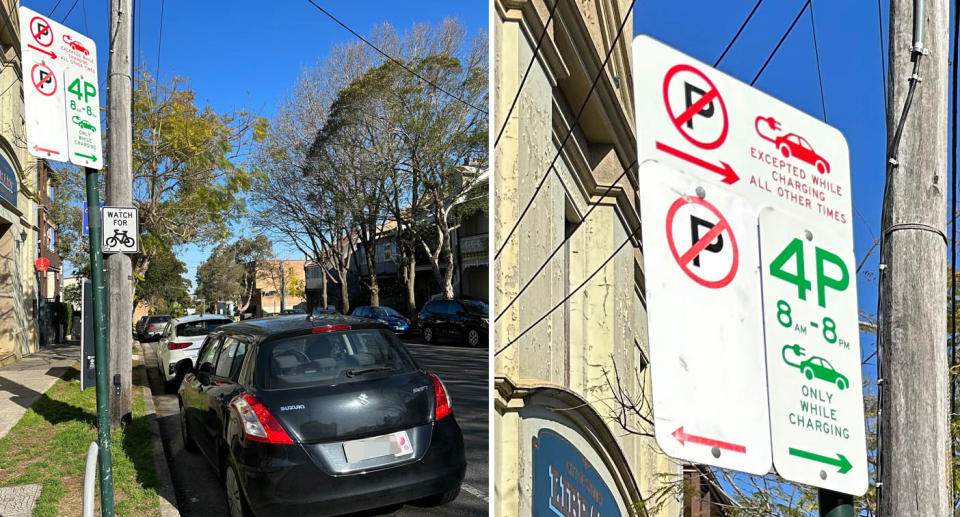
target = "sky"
x: 245, y: 53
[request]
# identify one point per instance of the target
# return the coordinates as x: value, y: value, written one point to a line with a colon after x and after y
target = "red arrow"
x: 709, y: 442
x: 729, y: 176
x: 51, y: 54
x: 40, y: 149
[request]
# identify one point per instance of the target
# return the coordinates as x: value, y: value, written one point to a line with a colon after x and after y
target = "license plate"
x: 393, y: 444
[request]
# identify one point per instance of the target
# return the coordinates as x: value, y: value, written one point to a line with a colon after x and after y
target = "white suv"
x: 180, y: 343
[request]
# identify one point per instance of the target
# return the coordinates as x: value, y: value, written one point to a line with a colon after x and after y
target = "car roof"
x: 296, y: 324
x: 198, y: 317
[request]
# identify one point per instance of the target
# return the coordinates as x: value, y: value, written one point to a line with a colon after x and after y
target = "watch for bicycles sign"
x: 121, y: 232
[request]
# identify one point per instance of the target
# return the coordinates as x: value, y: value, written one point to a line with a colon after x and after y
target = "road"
x: 463, y: 370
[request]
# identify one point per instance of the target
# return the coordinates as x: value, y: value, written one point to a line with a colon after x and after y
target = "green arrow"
x: 840, y: 461
x: 89, y: 157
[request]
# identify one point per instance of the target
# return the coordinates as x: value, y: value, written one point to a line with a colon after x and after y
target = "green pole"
x: 835, y: 504
x: 100, y: 343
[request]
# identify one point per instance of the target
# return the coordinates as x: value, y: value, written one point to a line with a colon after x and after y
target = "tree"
x: 163, y: 286
x: 228, y: 273
x: 187, y: 178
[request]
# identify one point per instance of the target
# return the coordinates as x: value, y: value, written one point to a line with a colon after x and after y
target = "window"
x: 198, y: 328
x: 238, y: 361
x: 225, y: 361
x: 476, y: 308
x: 334, y: 357
x: 209, y: 351
x: 361, y: 312
x: 379, y: 312
x: 51, y: 239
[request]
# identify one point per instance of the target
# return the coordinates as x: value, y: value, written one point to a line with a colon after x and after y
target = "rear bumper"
x: 291, y: 484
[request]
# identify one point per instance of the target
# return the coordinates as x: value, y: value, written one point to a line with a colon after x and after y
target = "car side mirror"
x: 203, y: 373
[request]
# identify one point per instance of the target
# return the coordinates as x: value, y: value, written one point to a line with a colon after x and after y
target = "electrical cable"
x: 953, y: 239
x: 573, y: 125
x: 50, y: 14
x: 883, y: 64
x: 395, y: 60
x: 782, y: 39
x: 564, y: 241
x: 156, y: 80
x: 75, y: 2
x: 737, y: 35
x: 571, y: 293
x: 533, y: 59
x: 816, y: 52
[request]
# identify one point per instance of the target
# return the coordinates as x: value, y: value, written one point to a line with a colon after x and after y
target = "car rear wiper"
x: 360, y: 371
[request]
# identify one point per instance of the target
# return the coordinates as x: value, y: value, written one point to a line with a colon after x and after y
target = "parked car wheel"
x: 821, y: 167
x: 841, y: 384
x: 428, y: 334
x: 785, y: 150
x: 173, y: 384
x: 473, y: 338
x: 808, y: 373
x: 439, y: 499
x: 188, y: 442
x: 235, y: 501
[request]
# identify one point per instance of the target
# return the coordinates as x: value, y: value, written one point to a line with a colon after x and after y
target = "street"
x: 463, y: 370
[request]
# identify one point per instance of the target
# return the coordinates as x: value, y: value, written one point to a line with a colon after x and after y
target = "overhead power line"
x: 64, y: 21
x: 50, y: 14
x: 156, y: 80
x: 883, y: 61
x: 395, y: 60
x: 737, y: 35
x: 533, y: 59
x: 571, y: 293
x: 816, y: 52
x: 782, y: 39
x: 573, y: 125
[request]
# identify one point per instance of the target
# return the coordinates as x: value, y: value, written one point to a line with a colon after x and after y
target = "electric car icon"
x: 795, y: 145
x: 818, y: 367
x: 75, y: 45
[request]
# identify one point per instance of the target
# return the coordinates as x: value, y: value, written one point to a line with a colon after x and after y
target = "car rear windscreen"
x: 159, y: 319
x: 198, y: 328
x: 334, y: 357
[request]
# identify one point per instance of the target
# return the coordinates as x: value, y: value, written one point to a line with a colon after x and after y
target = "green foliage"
x: 163, y: 285
x: 224, y: 276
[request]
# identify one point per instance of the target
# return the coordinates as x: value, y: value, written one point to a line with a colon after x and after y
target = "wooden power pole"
x: 119, y: 178
x: 914, y: 435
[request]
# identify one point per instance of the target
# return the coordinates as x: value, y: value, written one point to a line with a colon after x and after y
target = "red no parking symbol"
x: 689, y: 93
x: 43, y: 79
x: 712, y: 241
x: 41, y: 31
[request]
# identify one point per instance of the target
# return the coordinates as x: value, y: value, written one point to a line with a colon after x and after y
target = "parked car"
x: 138, y: 328
x: 463, y: 319
x: 385, y: 315
x: 318, y: 416
x: 180, y: 343
x: 287, y: 312
x: 153, y: 327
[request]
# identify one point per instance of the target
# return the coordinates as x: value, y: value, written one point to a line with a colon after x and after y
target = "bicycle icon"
x: 121, y: 238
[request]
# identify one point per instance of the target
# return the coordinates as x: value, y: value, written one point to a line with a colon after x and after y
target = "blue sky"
x: 246, y: 53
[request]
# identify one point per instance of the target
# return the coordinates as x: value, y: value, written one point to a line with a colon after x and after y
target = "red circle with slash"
x: 39, y: 81
x: 684, y: 259
x: 47, y: 30
x: 680, y: 119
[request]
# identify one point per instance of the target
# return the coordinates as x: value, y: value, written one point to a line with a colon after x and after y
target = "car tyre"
x: 808, y: 373
x: 439, y: 499
x: 821, y: 167
x: 841, y: 385
x: 785, y: 150
x: 173, y: 384
x: 427, y: 334
x: 473, y: 338
x: 188, y: 442
x: 236, y: 503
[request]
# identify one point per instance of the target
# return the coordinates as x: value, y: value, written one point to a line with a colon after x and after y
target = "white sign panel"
x: 52, y: 52
x: 813, y: 355
x: 713, y: 126
x: 83, y: 126
x: 121, y: 233
x: 701, y: 260
x: 725, y: 138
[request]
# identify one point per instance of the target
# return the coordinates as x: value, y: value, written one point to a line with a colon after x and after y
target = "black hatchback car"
x: 320, y: 416
x: 463, y: 319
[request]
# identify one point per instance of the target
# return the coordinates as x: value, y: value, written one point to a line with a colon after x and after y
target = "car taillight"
x: 444, y: 402
x: 150, y: 326
x: 331, y: 328
x: 177, y: 346
x: 258, y: 424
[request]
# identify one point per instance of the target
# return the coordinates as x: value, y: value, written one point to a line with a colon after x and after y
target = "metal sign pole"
x: 100, y: 340
x: 834, y: 504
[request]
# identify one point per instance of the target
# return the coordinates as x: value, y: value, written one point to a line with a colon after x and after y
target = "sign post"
x: 751, y: 278
x: 62, y: 119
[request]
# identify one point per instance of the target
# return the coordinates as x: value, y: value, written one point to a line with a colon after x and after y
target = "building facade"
x: 279, y: 285
x: 19, y: 230
x: 572, y: 415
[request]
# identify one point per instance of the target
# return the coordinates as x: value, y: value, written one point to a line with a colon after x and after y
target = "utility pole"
x: 914, y: 434
x: 119, y: 193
